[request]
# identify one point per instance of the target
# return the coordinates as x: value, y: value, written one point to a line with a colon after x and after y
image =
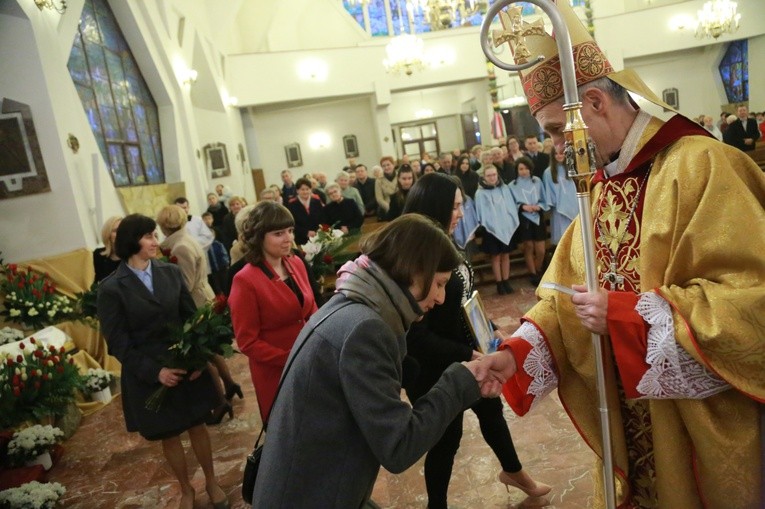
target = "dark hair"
x: 409, y: 246
x: 266, y: 216
x: 459, y: 162
x: 433, y: 196
x: 525, y: 161
x: 422, y: 170
x: 129, y: 233
x: 405, y: 168
x: 207, y: 214
x: 302, y: 181
x: 529, y: 136
x: 180, y: 199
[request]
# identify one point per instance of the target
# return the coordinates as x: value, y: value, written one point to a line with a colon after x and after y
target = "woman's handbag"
x: 252, y: 464
x: 251, y: 470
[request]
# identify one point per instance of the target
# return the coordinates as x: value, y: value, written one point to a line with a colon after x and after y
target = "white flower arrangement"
x: 10, y: 335
x: 97, y: 380
x: 31, y: 442
x: 32, y: 495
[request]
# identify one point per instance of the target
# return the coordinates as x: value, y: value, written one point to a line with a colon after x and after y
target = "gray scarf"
x: 362, y: 280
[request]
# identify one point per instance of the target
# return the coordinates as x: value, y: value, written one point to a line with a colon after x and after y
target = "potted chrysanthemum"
x: 31, y: 446
x: 96, y: 383
x: 32, y: 495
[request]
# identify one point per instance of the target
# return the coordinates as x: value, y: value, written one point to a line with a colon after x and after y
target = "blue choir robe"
x: 562, y: 198
x: 497, y: 211
x: 467, y: 224
x: 529, y: 191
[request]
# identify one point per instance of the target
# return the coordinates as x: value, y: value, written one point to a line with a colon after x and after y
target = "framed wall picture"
x: 294, y: 157
x: 350, y: 145
x: 479, y: 324
x: 216, y: 159
x: 671, y: 97
x: 22, y: 170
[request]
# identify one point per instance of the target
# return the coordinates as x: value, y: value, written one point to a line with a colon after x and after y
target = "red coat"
x: 267, y: 319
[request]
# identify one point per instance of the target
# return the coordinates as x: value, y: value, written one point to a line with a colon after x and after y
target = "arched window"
x: 734, y: 71
x: 120, y: 109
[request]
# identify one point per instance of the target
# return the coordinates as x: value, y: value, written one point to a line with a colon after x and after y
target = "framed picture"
x: 479, y: 324
x: 22, y: 169
x: 350, y: 145
x: 671, y: 97
x: 294, y: 157
x: 216, y: 159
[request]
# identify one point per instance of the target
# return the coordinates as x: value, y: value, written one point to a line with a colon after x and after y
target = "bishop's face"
x: 552, y: 118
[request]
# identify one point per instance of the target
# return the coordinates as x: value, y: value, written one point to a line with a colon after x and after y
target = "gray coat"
x: 339, y: 415
x: 136, y: 325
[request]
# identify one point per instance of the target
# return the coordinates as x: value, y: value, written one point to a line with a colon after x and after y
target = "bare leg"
x: 173, y: 451
x: 495, y: 267
x: 505, y: 262
x: 528, y: 256
x: 200, y: 442
x: 539, y: 255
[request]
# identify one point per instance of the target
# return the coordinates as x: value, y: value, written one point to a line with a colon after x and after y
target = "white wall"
x: 277, y: 127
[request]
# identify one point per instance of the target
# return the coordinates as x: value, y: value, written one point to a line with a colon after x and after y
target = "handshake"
x: 492, y: 371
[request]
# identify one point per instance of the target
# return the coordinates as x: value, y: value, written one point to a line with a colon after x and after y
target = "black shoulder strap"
x: 292, y: 359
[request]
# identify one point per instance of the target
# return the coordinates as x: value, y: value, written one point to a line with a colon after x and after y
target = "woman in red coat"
x: 271, y: 298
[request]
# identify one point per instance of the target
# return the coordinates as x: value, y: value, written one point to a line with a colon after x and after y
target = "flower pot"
x: 104, y: 395
x: 44, y: 459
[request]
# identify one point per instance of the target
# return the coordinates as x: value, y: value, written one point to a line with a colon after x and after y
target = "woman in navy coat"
x: 136, y: 305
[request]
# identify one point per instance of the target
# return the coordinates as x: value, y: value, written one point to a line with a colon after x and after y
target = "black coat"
x: 306, y: 221
x: 367, y: 192
x: 735, y: 134
x: 541, y: 162
x: 135, y: 324
x: 343, y: 213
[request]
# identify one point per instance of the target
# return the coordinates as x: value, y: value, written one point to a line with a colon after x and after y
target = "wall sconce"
x: 318, y: 140
x: 51, y: 4
x: 189, y: 77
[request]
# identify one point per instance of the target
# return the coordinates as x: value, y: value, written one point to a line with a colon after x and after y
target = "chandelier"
x: 716, y: 18
x: 405, y: 54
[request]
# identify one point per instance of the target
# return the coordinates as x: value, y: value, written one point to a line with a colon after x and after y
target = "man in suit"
x: 743, y: 133
x: 540, y: 159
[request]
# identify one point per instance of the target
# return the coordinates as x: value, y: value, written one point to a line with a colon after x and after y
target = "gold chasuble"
x: 697, y: 239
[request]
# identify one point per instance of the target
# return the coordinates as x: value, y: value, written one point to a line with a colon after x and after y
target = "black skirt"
x: 528, y: 230
x: 493, y: 246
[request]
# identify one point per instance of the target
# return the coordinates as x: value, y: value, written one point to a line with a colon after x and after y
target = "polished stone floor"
x: 106, y: 467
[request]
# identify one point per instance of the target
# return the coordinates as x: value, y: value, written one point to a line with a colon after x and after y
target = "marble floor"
x: 105, y: 467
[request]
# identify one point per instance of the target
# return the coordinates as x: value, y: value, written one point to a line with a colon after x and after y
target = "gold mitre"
x: 543, y: 82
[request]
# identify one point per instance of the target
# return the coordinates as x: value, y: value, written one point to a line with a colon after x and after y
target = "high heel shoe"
x: 232, y: 390
x: 217, y: 415
x: 538, y: 489
x: 221, y: 504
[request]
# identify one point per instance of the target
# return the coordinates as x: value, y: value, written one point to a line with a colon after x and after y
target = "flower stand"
x: 104, y: 395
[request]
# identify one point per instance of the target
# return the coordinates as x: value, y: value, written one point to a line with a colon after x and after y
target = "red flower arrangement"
x: 36, y: 384
x: 31, y: 298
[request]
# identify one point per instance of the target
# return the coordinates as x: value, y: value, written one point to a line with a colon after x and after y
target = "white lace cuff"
x: 673, y: 373
x: 538, y: 364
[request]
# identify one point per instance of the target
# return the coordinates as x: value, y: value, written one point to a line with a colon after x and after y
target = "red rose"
x: 21, y: 286
x: 60, y: 369
x: 174, y: 259
x: 16, y: 391
x: 10, y: 362
x: 324, y: 227
x: 13, y: 268
x: 71, y: 360
x: 32, y: 340
x: 37, y: 385
x: 45, y: 376
x: 327, y: 259
x: 22, y: 346
x: 16, y: 380
x: 220, y: 304
x: 19, y: 358
x: 33, y: 372
x: 165, y: 252
x: 36, y: 353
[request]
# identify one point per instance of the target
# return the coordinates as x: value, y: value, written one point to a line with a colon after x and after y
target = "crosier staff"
x: 580, y: 164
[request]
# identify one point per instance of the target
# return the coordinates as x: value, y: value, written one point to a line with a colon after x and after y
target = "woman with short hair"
x: 307, y: 211
x: 271, y: 297
x: 105, y: 259
x: 339, y: 415
x: 135, y: 307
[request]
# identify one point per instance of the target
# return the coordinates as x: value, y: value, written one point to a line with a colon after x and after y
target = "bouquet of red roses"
x: 206, y: 334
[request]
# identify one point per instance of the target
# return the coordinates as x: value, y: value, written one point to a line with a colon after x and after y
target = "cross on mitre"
x: 515, y: 31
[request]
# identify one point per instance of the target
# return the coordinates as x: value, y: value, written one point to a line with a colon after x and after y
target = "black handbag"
x: 251, y: 470
x: 252, y: 464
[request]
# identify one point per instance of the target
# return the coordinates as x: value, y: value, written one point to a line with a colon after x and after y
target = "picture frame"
x: 22, y: 169
x: 479, y: 323
x: 671, y: 97
x: 294, y: 157
x: 351, y: 146
x: 216, y: 160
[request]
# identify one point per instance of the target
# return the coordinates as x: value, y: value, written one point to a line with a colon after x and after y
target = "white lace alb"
x: 673, y: 373
x: 538, y: 364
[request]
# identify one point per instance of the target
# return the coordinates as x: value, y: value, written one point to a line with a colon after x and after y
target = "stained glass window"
x: 423, y: 19
x: 119, y: 106
x: 734, y: 71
